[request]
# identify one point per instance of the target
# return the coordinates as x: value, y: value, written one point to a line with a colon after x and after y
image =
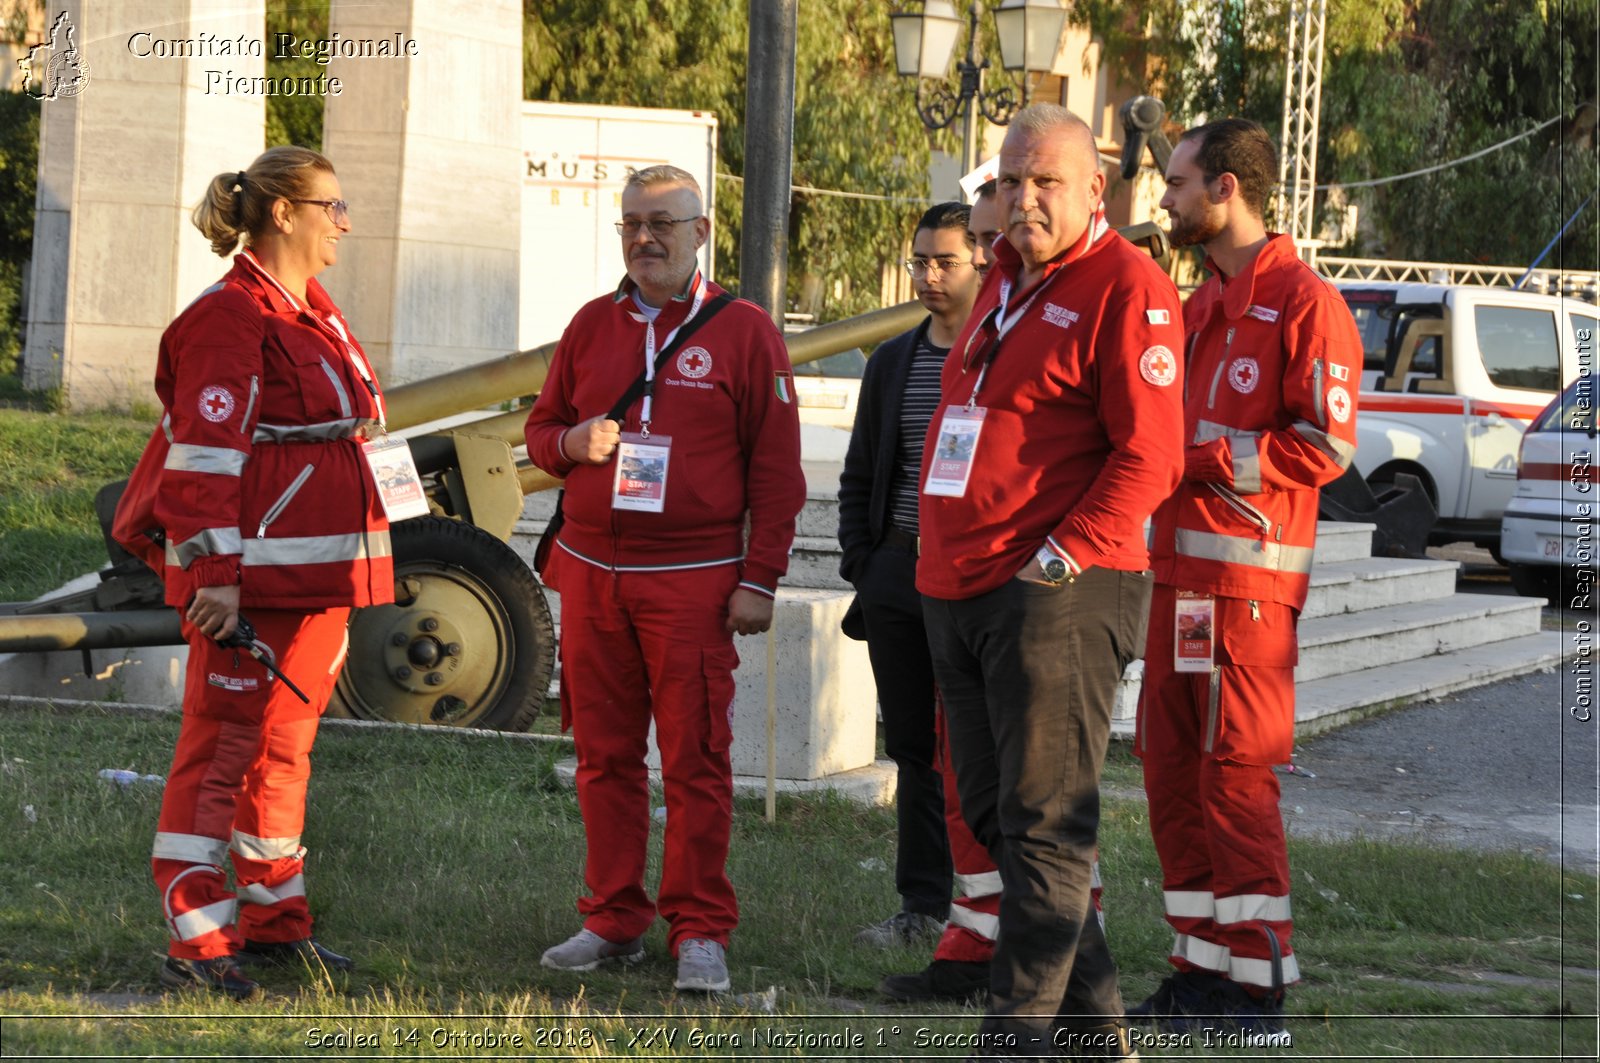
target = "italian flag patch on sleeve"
x: 783, y: 384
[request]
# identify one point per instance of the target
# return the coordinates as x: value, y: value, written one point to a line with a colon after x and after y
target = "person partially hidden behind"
x: 656, y: 575
x: 1274, y: 366
x: 878, y: 489
x: 255, y: 494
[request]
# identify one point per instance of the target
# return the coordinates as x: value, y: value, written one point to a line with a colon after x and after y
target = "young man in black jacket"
x: 878, y: 492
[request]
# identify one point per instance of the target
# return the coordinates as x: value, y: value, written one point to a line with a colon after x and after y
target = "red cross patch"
x: 1339, y: 404
x: 1158, y: 366
x: 1244, y: 374
x: 216, y: 403
x: 694, y: 362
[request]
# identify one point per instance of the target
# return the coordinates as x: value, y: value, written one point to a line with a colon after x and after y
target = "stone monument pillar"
x: 429, y: 154
x: 127, y: 145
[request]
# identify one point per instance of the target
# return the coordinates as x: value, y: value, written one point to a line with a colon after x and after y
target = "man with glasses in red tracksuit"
x: 1273, y: 369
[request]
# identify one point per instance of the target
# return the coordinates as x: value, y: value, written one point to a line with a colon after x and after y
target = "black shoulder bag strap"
x: 541, y: 553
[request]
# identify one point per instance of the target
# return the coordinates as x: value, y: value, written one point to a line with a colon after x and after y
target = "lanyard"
x: 337, y: 331
x: 650, y: 349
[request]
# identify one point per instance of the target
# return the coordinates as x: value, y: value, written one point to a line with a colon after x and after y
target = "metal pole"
x: 768, y: 153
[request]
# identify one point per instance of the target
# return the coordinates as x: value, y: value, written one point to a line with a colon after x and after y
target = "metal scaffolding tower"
x: 1302, y: 109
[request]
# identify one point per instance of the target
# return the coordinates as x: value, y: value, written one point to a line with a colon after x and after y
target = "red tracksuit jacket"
x: 255, y: 474
x: 1272, y: 374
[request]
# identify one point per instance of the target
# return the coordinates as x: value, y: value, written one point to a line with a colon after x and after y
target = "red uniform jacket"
x: 1082, y: 437
x: 726, y: 400
x: 1273, y: 371
x: 255, y: 475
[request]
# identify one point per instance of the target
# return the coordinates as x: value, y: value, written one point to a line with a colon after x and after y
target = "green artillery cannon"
x: 469, y: 641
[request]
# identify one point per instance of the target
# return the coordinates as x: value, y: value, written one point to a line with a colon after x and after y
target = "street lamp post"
x: 1030, y: 35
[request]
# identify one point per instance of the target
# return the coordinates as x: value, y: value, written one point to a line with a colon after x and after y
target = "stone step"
x: 1334, y: 645
x: 1373, y: 582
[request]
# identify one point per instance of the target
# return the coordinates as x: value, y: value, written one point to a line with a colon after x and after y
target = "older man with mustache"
x: 1057, y: 436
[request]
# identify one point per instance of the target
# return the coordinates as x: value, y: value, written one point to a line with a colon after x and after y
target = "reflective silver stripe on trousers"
x: 1259, y: 972
x: 981, y: 923
x: 191, y: 848
x: 316, y: 549
x: 1200, y: 952
x: 983, y: 884
x: 1246, y: 465
x: 1251, y: 906
x: 309, y: 433
x: 1189, y: 904
x: 257, y: 893
x: 190, y: 457
x: 248, y: 845
x: 1237, y: 550
x: 1337, y: 449
x: 200, y: 921
x: 208, y: 543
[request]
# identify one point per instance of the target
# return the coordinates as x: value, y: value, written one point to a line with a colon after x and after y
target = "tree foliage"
x: 295, y: 119
x: 19, y: 168
x: 855, y: 128
x: 1407, y: 84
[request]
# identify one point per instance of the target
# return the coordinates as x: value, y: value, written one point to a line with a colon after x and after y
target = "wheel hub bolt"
x: 452, y: 649
x: 399, y: 638
x: 430, y: 624
x: 402, y: 672
x: 434, y: 679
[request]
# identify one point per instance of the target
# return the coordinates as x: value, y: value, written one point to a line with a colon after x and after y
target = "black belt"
x: 903, y: 539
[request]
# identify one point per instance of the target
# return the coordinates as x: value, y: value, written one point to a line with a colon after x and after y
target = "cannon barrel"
x: 89, y: 631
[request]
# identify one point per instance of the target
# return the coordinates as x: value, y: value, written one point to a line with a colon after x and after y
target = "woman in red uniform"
x: 257, y: 490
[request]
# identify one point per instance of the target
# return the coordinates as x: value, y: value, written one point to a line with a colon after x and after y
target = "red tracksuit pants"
x: 1209, y: 742
x: 238, y: 784
x: 637, y: 647
x: 975, y: 913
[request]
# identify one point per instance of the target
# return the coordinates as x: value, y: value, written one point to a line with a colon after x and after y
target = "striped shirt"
x: 917, y: 407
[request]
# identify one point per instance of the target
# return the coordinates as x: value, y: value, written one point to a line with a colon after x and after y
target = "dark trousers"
x: 897, y: 643
x: 1029, y: 674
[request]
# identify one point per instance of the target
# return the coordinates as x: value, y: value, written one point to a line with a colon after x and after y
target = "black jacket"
x: 869, y: 463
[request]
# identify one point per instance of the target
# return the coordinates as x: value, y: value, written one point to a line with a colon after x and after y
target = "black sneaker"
x: 221, y: 974
x: 306, y: 951
x: 1180, y: 993
x: 940, y: 980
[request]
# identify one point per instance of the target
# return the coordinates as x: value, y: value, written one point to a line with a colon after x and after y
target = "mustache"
x: 1025, y: 217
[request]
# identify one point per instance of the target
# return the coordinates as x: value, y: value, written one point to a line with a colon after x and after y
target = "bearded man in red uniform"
x: 1274, y: 366
x: 655, y: 571
x: 1057, y: 436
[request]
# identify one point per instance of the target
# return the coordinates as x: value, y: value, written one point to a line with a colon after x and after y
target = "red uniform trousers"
x: 1209, y: 743
x: 637, y: 646
x: 975, y: 913
x: 238, y: 782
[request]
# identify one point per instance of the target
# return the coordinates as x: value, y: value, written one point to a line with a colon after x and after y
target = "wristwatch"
x: 1051, y: 564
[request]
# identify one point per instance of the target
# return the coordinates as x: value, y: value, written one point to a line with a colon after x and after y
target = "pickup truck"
x: 1452, y: 377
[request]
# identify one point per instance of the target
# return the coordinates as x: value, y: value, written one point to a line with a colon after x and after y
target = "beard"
x: 1186, y: 232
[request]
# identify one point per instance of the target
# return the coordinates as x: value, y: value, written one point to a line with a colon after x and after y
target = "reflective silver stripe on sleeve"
x: 983, y: 884
x: 248, y: 845
x: 1340, y: 451
x: 191, y: 457
x: 983, y: 924
x: 1205, y: 431
x: 1251, y: 906
x: 316, y: 549
x: 190, y: 848
x: 1234, y: 550
x: 257, y: 893
x: 202, y: 921
x: 1246, y: 464
x: 1205, y: 954
x: 1316, y: 391
x: 338, y: 386
x: 310, y: 433
x: 1189, y: 904
x: 208, y: 543
x: 166, y: 426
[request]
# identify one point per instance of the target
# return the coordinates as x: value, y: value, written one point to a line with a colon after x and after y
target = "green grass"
x: 447, y: 862
x: 53, y: 465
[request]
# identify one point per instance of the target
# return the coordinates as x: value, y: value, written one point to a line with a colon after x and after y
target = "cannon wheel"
x: 468, y: 643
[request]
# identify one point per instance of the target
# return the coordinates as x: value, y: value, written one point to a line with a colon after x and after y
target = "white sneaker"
x: 702, y: 965
x: 586, y: 950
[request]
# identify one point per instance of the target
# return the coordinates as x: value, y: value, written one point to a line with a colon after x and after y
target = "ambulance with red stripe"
x: 1453, y: 376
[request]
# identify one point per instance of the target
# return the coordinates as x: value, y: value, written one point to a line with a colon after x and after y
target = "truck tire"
x: 469, y: 641
x: 1535, y: 581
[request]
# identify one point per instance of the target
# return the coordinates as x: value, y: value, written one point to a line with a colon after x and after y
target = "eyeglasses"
x: 921, y: 267
x: 337, y: 210
x: 659, y: 227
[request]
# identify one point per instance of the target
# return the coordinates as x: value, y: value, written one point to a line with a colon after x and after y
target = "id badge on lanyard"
x: 1194, y: 636
x: 394, y: 471
x: 640, y: 479
x: 953, y: 451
